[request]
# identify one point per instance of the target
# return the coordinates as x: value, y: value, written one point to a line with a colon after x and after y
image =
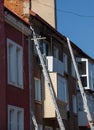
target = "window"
x: 83, y: 71
x: 62, y: 89
x: 80, y: 102
x: 65, y: 62
x: 45, y: 49
x: 15, y: 118
x: 82, y: 67
x: 74, y: 104
x: 40, y: 127
x: 15, y: 64
x: 57, y: 128
x: 48, y: 128
x: 91, y: 75
x: 35, y: 50
x: 56, y: 52
x: 72, y: 69
x: 11, y: 119
x: 84, y: 81
x: 38, y: 94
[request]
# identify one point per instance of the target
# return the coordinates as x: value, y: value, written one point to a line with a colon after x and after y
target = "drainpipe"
x: 51, y: 45
x: 30, y: 77
x: 30, y: 3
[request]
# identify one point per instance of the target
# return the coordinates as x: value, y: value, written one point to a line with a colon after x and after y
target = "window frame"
x: 38, y: 90
x: 48, y: 128
x: 73, y: 73
x: 55, y: 52
x: 45, y: 48
x: 40, y: 126
x: 74, y: 102
x: 63, y: 96
x: 18, y: 76
x: 15, y: 120
x: 65, y: 61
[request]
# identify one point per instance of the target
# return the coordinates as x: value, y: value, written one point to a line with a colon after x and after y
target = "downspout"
x: 30, y: 73
x: 30, y: 4
x: 30, y: 77
x: 51, y: 45
x: 55, y: 13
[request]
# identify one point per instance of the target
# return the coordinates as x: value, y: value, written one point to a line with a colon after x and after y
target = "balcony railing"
x: 55, y: 65
x: 82, y: 118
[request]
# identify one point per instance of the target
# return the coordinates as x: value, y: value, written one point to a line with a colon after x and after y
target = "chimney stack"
x: 20, y: 7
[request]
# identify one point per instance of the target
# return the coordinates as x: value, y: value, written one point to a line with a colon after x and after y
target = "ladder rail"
x: 34, y: 121
x: 32, y: 117
x: 48, y: 81
x: 86, y: 108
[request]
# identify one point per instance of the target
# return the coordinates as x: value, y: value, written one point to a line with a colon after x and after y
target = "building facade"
x: 87, y: 77
x: 86, y: 70
x: 14, y: 90
x: 46, y: 9
x: 63, y: 79
x: 23, y: 86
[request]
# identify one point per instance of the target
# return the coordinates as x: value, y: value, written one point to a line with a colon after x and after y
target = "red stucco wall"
x: 15, y: 96
x: 2, y: 71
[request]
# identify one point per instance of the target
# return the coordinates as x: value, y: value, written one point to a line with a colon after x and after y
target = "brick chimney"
x: 20, y: 7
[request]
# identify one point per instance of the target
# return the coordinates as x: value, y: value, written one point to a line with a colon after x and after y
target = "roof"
x: 37, y: 17
x: 24, y: 19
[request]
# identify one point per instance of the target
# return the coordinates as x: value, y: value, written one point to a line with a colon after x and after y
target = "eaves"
x: 16, y: 21
x: 58, y: 35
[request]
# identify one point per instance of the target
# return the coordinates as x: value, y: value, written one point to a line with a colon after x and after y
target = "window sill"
x: 75, y: 114
x: 15, y: 85
x: 39, y: 102
x: 74, y: 77
x: 66, y: 74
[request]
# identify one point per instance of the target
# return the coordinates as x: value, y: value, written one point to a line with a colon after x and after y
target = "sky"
x: 76, y: 21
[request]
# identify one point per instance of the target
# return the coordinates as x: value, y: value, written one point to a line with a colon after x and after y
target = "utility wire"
x: 68, y: 12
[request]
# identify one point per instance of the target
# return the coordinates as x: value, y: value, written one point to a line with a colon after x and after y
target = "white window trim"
x: 16, y: 109
x: 11, y: 42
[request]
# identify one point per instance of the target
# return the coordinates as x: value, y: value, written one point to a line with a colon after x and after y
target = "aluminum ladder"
x: 47, y: 79
x: 81, y: 88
